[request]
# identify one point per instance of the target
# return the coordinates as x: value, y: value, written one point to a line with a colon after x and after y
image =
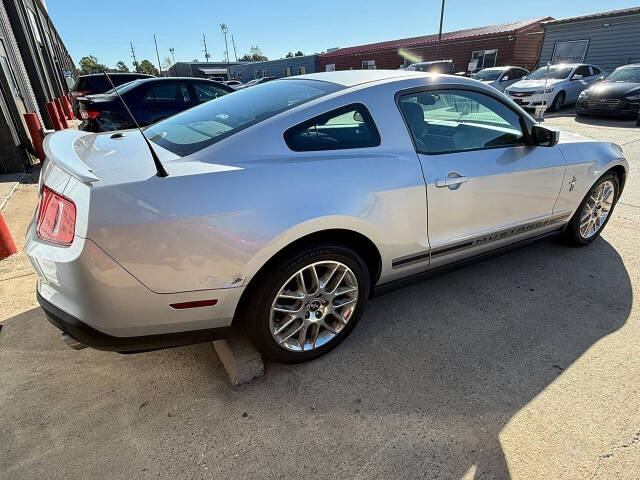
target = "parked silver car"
x: 500, y: 77
x: 557, y: 85
x: 288, y: 204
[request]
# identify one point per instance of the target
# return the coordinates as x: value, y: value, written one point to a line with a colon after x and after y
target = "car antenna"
x: 160, y: 170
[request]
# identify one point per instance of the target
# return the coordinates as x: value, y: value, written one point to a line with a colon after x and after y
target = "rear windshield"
x: 487, y: 75
x: 99, y: 84
x: 206, y: 124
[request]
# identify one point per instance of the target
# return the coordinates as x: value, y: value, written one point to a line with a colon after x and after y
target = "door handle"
x: 451, y: 181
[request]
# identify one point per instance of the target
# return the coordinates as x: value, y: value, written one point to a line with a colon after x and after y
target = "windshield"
x: 555, y: 72
x: 206, y: 124
x: 432, y: 67
x: 628, y: 74
x: 487, y: 75
x: 125, y: 87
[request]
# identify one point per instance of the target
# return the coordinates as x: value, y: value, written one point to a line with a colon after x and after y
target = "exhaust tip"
x: 72, y: 342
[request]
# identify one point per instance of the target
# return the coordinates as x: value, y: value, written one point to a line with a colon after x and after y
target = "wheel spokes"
x: 313, y: 306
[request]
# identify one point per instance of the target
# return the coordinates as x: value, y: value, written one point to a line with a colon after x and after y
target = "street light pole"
x: 172, y: 50
x: 440, y: 31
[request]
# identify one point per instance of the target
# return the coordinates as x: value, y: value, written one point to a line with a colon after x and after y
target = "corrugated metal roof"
x: 594, y: 16
x: 428, y: 39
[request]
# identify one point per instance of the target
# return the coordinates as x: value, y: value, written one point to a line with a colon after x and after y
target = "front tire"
x: 594, y: 211
x: 307, y: 302
x: 558, y: 102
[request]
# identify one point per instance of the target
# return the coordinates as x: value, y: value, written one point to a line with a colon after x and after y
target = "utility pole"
x: 440, y: 32
x: 235, y: 54
x: 158, y: 55
x: 133, y: 55
x: 206, y: 52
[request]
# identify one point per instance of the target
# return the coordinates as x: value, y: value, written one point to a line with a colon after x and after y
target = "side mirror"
x: 544, y: 137
x: 576, y: 77
x: 357, y: 117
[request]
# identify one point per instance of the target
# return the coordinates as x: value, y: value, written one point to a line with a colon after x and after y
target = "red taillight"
x: 85, y: 114
x: 79, y: 93
x: 56, y: 218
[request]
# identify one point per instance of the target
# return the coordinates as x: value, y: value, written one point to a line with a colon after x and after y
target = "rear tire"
x: 594, y: 211
x: 322, y: 308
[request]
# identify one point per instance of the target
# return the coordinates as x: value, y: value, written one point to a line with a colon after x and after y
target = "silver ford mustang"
x: 282, y: 208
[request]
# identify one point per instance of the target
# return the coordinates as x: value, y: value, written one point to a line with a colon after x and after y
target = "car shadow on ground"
x: 422, y: 387
x: 596, y: 120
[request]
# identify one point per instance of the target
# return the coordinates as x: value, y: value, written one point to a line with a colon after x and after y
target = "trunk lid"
x: 110, y: 157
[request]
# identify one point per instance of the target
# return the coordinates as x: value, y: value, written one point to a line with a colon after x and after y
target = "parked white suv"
x: 500, y: 77
x: 557, y: 85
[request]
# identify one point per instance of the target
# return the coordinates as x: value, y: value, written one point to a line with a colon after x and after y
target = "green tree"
x: 299, y: 53
x: 166, y: 63
x: 90, y: 64
x: 289, y: 55
x: 147, y: 67
x: 254, y: 55
x: 121, y: 67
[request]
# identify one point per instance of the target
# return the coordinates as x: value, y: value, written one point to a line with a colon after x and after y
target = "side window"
x: 583, y: 70
x: 595, y: 70
x: 444, y: 121
x: 167, y: 92
x: 206, y: 92
x: 517, y: 73
x: 350, y: 126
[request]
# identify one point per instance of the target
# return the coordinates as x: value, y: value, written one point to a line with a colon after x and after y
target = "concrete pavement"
x: 526, y: 366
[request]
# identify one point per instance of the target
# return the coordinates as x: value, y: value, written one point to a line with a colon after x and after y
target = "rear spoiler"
x: 64, y: 149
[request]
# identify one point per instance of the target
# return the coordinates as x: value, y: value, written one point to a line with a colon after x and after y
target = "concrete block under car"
x: 241, y: 360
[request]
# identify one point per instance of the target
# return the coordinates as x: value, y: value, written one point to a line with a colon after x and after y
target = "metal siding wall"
x: 609, y: 47
x: 275, y: 68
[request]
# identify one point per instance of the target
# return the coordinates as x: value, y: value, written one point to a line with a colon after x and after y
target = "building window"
x: 239, y: 75
x: 257, y: 74
x: 34, y: 25
x: 369, y: 65
x: 265, y: 73
x: 483, y: 59
x: 570, y: 52
x: 330, y: 67
x: 302, y: 70
x: 287, y: 72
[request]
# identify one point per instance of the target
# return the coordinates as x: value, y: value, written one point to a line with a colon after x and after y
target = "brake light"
x: 56, y: 218
x: 86, y: 114
x: 79, y: 93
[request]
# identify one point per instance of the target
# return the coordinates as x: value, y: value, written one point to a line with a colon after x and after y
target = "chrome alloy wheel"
x: 313, y: 306
x: 596, y: 209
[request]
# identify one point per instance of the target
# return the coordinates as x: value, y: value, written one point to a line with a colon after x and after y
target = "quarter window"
x: 444, y: 121
x: 350, y: 126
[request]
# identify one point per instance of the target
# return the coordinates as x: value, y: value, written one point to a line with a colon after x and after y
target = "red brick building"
x: 515, y: 43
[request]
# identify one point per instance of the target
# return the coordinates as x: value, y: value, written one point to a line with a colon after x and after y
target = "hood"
x: 531, y: 84
x: 613, y: 89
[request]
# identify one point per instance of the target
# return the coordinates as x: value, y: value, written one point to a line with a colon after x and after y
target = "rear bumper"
x: 91, y: 337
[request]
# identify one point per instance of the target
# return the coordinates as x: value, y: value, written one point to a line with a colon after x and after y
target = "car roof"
x: 350, y: 78
x: 116, y: 74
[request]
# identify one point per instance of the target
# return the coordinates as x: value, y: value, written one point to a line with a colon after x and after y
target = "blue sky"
x: 277, y: 26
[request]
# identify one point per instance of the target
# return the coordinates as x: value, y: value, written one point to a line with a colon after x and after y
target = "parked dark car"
x: 617, y: 95
x: 436, y: 66
x: 97, y: 83
x: 150, y: 100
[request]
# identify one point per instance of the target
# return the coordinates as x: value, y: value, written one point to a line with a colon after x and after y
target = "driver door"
x: 487, y: 186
